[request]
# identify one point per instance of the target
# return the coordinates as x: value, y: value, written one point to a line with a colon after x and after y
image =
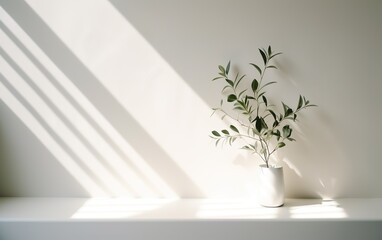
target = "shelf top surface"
x: 125, y: 209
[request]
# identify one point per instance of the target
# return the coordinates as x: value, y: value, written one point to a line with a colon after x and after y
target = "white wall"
x: 113, y: 97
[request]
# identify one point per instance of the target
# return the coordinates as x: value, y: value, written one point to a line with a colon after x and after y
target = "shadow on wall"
x: 78, y: 147
x: 190, y: 35
x: 85, y: 122
x: 196, y: 36
x: 316, y: 160
x: 25, y: 163
x: 315, y: 170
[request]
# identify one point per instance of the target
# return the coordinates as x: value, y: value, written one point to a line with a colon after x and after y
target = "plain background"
x: 113, y: 98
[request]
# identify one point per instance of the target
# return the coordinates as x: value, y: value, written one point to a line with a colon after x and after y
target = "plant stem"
x: 258, y: 89
x: 236, y: 119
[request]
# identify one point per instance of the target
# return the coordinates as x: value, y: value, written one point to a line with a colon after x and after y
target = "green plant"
x: 261, y: 127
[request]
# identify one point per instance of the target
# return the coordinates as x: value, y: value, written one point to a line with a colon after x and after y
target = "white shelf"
x: 81, y: 218
x: 74, y: 209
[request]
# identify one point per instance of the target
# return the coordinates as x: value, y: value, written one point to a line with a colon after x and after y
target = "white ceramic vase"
x: 271, y: 186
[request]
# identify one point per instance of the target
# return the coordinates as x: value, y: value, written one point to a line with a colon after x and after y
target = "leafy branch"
x: 263, y: 129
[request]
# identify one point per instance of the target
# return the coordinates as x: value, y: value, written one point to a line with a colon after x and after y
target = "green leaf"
x: 287, y: 131
x: 237, y: 75
x: 238, y: 108
x: 280, y: 144
x: 290, y: 132
x: 285, y: 107
x: 311, y: 105
x: 288, y: 112
x: 300, y: 102
x: 237, y: 83
x: 242, y: 93
x: 246, y: 148
x: 254, y: 85
x: 228, y: 67
x: 241, y: 103
x: 215, y: 133
x: 278, y: 135
x: 263, y: 55
x: 258, y: 125
x: 272, y: 66
x: 269, y: 50
x: 267, y: 84
x: 257, y: 67
x: 265, y: 51
x: 274, y: 55
x: 231, y: 98
x: 273, y: 114
x: 217, y: 142
x: 261, y: 94
x: 263, y: 123
x: 225, y: 132
x: 233, y: 128
x: 229, y: 82
x: 265, y: 100
x: 221, y: 68
x: 253, y: 146
x: 225, y: 88
x: 216, y: 78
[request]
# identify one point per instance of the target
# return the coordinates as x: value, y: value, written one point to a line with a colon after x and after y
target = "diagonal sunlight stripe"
x: 174, y: 116
x: 60, y: 128
x: 67, y: 162
x: 61, y: 115
x: 327, y: 209
x: 114, y: 208
x: 81, y: 124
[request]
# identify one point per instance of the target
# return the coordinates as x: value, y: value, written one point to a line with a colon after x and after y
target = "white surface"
x: 77, y: 209
x: 188, y: 219
x: 118, y: 99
